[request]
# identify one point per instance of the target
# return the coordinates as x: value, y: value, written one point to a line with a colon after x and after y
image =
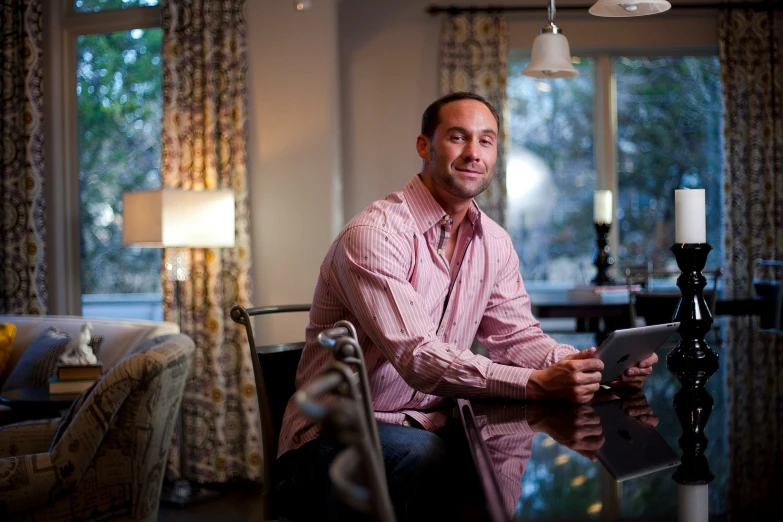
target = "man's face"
x: 462, y: 153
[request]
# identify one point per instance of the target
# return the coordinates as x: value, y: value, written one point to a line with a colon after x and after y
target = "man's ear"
x: 423, y: 146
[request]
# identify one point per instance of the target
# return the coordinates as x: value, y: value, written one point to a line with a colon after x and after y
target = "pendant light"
x: 623, y: 8
x: 551, y: 56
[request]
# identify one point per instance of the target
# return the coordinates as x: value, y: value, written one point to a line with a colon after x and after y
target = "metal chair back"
x: 274, y: 368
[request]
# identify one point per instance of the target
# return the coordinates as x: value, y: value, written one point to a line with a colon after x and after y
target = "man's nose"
x: 471, y: 151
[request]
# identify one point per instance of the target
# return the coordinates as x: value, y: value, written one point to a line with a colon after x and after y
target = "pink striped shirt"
x: 416, y: 314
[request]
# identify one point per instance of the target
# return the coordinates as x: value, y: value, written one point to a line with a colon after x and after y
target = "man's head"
x: 458, y: 144
x: 431, y: 116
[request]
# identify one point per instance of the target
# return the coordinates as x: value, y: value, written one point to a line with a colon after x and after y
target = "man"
x: 421, y: 274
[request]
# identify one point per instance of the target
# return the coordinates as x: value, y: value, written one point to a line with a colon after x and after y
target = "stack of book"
x: 74, y: 379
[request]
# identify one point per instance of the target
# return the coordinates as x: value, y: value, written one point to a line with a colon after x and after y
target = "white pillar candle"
x: 602, y: 206
x: 690, y: 216
x: 694, y: 505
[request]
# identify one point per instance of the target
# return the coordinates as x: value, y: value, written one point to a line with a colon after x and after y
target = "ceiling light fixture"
x: 626, y: 8
x: 551, y: 56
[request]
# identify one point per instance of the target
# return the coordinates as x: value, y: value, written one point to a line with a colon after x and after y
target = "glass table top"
x: 544, y: 462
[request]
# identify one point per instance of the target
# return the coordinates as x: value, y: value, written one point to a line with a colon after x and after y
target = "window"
x: 668, y: 114
x: 118, y: 89
x: 111, y: 114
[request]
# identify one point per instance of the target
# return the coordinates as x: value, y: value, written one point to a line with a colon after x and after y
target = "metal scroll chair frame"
x: 269, y: 420
x: 644, y: 278
x: 350, y: 423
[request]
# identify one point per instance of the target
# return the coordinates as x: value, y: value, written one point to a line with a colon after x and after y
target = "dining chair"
x: 357, y: 473
x: 767, y: 278
x: 653, y: 295
x: 274, y: 368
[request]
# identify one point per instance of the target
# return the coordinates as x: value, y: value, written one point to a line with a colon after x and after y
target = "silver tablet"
x: 624, y: 348
x: 631, y: 448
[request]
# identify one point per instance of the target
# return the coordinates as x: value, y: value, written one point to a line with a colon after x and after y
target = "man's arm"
x: 512, y: 336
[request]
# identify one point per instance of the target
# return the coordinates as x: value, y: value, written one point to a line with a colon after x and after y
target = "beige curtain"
x: 753, y: 207
x: 204, y: 148
x: 474, y: 57
x: 22, y: 228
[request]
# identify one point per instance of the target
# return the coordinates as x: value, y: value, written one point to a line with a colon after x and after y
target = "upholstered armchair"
x: 106, y: 459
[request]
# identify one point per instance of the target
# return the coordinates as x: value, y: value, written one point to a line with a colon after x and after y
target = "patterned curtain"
x: 22, y: 228
x: 474, y: 57
x: 753, y: 208
x: 753, y: 143
x: 204, y: 148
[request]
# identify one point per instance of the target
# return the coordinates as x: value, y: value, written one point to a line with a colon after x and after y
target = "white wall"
x: 294, y: 154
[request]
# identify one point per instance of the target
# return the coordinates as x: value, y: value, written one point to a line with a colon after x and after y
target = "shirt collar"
x: 427, y: 212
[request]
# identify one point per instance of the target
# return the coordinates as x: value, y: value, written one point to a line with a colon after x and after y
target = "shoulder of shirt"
x: 391, y: 214
x: 492, y: 230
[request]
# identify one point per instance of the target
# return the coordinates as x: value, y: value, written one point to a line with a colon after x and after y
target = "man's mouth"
x: 468, y: 171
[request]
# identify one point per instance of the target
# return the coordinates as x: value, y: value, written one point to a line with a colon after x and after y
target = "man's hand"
x: 577, y: 428
x: 636, y: 405
x: 636, y: 375
x: 574, y: 378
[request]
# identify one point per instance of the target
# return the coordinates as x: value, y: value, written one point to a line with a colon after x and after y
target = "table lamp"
x: 177, y: 220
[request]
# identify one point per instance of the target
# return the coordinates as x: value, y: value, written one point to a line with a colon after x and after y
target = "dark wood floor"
x: 236, y: 503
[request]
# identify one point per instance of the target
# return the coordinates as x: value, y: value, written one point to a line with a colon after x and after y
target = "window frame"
x: 62, y: 25
x: 605, y: 153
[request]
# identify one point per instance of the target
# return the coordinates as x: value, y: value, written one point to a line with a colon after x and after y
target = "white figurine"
x: 78, y: 350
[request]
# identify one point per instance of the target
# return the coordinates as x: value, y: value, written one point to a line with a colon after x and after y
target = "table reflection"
x: 538, y: 462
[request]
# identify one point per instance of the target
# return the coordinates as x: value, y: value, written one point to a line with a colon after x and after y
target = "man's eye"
x: 486, y: 142
x: 458, y: 138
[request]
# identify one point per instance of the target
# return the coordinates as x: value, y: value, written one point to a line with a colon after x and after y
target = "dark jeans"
x: 424, y: 471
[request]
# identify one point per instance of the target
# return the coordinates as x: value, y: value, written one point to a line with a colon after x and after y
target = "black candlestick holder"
x: 603, y: 258
x: 692, y: 311
x: 693, y: 405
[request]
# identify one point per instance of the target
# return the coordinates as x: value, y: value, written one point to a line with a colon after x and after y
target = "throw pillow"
x: 39, y: 361
x: 7, y: 334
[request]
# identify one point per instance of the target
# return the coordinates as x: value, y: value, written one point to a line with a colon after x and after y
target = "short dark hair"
x: 431, y: 117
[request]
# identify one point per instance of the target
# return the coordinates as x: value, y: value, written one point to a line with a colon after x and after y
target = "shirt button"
x: 419, y: 396
x: 406, y: 422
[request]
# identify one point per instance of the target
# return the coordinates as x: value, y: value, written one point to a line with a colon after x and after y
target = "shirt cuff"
x: 508, y: 382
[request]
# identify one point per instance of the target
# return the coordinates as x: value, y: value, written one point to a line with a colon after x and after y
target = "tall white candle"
x: 602, y: 206
x: 690, y: 216
x: 694, y: 505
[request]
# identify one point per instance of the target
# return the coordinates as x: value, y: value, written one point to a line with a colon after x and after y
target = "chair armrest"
x: 26, y: 483
x: 27, y: 438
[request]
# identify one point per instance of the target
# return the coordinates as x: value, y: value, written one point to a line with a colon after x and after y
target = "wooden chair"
x: 274, y: 368
x: 652, y: 294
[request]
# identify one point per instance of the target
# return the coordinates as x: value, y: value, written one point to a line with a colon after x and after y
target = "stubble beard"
x: 448, y: 181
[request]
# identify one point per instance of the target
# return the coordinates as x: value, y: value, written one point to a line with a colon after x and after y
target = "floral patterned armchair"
x: 106, y: 458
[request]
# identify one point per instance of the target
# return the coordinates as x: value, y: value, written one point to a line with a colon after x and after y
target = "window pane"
x: 119, y: 132
x: 551, y: 175
x: 669, y: 117
x: 88, y: 6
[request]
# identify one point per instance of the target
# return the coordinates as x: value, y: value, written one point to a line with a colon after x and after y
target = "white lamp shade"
x: 551, y: 57
x: 178, y: 218
x: 622, y: 8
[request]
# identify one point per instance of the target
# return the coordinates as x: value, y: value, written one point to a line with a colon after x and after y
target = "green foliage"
x: 119, y: 131
x: 86, y: 6
x: 669, y: 116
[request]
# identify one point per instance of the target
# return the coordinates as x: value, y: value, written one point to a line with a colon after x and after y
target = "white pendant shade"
x: 620, y: 8
x: 178, y: 218
x: 551, y: 57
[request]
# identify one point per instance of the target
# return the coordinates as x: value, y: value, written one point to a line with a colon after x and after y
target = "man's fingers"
x: 584, y: 354
x: 648, y: 361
